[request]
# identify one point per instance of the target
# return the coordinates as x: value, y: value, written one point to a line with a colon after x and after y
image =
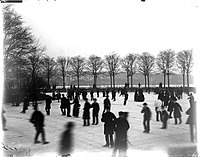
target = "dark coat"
x: 66, y: 143
x: 37, y: 119
x: 121, y: 127
x: 108, y: 118
x: 147, y: 113
x: 107, y: 104
x: 164, y: 115
x: 170, y: 106
x: 177, y: 110
x: 192, y: 115
x: 48, y: 103
x: 96, y: 108
x: 86, y: 112
x: 76, y: 107
x: 63, y: 102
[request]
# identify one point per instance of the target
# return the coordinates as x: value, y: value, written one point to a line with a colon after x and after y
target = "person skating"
x: 125, y: 98
x: 107, y: 104
x: 108, y: 118
x: 86, y: 113
x: 76, y: 107
x: 164, y: 116
x: 25, y: 104
x: 121, y: 127
x: 177, y: 113
x: 63, y: 105
x: 95, y: 112
x: 146, y: 118
x: 37, y: 118
x: 68, y: 106
x: 48, y: 105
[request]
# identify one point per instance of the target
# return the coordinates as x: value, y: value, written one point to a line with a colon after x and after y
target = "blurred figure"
x: 191, y: 99
x: 86, y: 113
x: 108, y: 119
x: 147, y: 117
x: 107, y: 104
x: 76, y: 107
x: 37, y: 118
x: 48, y: 105
x: 25, y: 104
x: 95, y: 113
x: 3, y: 119
x: 125, y: 98
x: 177, y: 113
x: 192, y: 122
x: 158, y: 104
x: 164, y: 117
x: 66, y: 140
x: 63, y: 105
x: 68, y: 106
x: 121, y: 127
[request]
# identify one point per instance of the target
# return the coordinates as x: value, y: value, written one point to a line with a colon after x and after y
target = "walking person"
x: 3, y: 119
x: 121, y: 127
x: 76, y: 107
x: 48, y: 105
x: 66, y: 140
x: 86, y: 113
x: 158, y: 104
x: 107, y: 104
x: 108, y: 118
x: 63, y: 105
x: 95, y: 113
x: 177, y: 113
x: 37, y: 118
x: 146, y: 118
x: 25, y: 104
x: 164, y: 116
x: 68, y: 106
x: 125, y: 98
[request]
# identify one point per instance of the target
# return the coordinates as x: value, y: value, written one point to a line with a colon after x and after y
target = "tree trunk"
x: 164, y: 79
x: 145, y: 81
x: 168, y: 79
x: 48, y: 80
x: 95, y: 80
x: 148, y: 83
x: 131, y: 81
x: 184, y: 80
x: 78, y: 80
x: 188, y: 81
x: 127, y: 77
x: 63, y: 81
x: 113, y: 80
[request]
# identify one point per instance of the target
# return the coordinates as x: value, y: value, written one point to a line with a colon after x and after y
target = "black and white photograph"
x: 103, y: 78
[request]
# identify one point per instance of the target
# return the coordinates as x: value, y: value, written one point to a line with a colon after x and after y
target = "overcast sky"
x: 84, y: 27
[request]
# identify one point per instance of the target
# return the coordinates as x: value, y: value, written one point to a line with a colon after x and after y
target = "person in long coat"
x: 25, y: 104
x: 125, y: 98
x: 177, y: 113
x: 108, y: 118
x: 76, y: 107
x: 147, y: 117
x: 121, y: 127
x: 164, y: 116
x: 68, y: 106
x: 66, y: 140
x: 107, y: 104
x: 192, y: 121
x: 95, y: 112
x: 48, y: 105
x: 86, y: 113
x: 63, y: 105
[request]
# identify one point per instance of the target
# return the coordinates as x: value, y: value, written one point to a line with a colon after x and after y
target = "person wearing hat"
x: 95, y: 112
x: 108, y: 118
x: 121, y: 127
x: 147, y: 117
x: 86, y: 113
x: 107, y: 104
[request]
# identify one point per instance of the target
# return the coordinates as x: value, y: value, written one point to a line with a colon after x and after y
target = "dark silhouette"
x: 58, y: 96
x: 86, y: 113
x: 37, y: 118
x: 3, y: 119
x: 121, y: 127
x: 48, y: 105
x: 25, y: 105
x: 63, y: 105
x: 125, y: 98
x: 95, y: 112
x: 107, y: 104
x: 147, y: 117
x: 91, y: 94
x: 108, y: 119
x: 76, y: 107
x: 66, y: 140
x: 113, y: 95
x: 165, y: 117
x: 68, y: 106
x: 177, y: 112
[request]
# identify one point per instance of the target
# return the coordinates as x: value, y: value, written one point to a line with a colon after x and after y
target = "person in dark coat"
x: 37, y: 118
x: 177, y: 112
x: 76, y: 107
x: 121, y: 127
x: 192, y: 121
x: 147, y: 117
x: 107, y: 104
x: 136, y: 96
x: 170, y: 108
x: 25, y: 105
x: 141, y: 96
x: 63, y: 105
x: 191, y: 99
x: 113, y: 95
x: 125, y: 98
x: 95, y: 112
x: 66, y: 140
x: 58, y: 96
x: 86, y: 113
x: 68, y: 106
x: 108, y: 118
x: 48, y: 105
x: 164, y: 116
x: 91, y: 94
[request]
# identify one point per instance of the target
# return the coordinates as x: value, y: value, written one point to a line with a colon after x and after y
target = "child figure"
x: 164, y: 117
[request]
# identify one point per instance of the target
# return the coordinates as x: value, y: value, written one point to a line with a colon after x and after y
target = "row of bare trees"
x: 26, y: 65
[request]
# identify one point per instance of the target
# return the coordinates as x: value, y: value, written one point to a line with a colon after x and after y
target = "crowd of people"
x: 166, y: 107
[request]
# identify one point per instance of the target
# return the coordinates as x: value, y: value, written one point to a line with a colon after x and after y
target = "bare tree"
x: 77, y: 67
x: 94, y: 67
x: 49, y: 68
x: 113, y: 66
x: 146, y: 65
x: 128, y: 63
x: 186, y: 58
x: 62, y: 65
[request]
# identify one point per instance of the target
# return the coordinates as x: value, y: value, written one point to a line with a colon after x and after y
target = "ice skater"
x: 95, y: 112
x: 147, y: 117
